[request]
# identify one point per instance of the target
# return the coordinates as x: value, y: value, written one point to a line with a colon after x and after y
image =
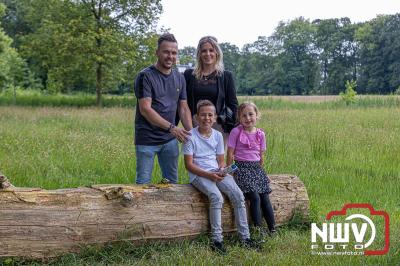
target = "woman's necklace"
x: 208, y: 76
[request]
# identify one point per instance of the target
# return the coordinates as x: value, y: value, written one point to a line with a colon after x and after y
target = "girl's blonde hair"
x: 219, y: 64
x: 246, y: 104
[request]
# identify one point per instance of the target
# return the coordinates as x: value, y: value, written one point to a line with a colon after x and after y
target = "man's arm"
x: 185, y: 115
x: 151, y: 115
x: 155, y: 119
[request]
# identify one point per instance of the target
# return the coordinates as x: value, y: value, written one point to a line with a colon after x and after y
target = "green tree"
x: 379, y: 54
x: 231, y: 56
x: 297, y: 65
x: 86, y: 44
x: 187, y: 55
x: 14, y: 22
x: 115, y: 22
x: 337, y: 53
x: 231, y: 60
x: 11, y: 64
x: 256, y: 67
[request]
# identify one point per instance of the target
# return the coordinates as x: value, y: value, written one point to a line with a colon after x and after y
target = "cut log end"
x: 47, y: 223
x: 4, y: 183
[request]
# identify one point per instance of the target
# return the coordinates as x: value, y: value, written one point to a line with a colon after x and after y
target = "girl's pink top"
x: 248, y: 146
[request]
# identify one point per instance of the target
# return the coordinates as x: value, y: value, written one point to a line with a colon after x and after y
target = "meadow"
x: 342, y: 154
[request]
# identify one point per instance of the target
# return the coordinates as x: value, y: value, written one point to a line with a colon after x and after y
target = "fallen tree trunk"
x: 39, y: 223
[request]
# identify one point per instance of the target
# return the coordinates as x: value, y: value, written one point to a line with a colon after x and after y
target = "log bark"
x: 38, y: 223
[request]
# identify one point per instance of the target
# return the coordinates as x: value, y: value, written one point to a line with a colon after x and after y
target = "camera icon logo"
x: 352, y: 235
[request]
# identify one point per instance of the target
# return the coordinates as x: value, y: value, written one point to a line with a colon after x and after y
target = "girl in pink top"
x: 246, y: 145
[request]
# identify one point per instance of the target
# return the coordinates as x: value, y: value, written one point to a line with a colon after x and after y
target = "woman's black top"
x: 222, y: 93
x: 205, y: 89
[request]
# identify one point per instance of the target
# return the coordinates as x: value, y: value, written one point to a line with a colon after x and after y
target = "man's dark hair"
x: 168, y: 37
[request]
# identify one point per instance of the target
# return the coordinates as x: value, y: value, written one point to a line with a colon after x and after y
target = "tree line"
x: 304, y: 57
x: 99, y: 46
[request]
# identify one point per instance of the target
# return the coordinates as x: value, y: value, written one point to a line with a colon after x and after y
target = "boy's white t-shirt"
x: 204, y: 150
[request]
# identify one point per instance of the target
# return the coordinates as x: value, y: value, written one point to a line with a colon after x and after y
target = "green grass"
x: 363, y: 101
x: 342, y: 155
x: 38, y: 99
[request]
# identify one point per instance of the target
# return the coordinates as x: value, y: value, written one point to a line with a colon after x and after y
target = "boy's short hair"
x: 203, y: 103
x: 168, y: 37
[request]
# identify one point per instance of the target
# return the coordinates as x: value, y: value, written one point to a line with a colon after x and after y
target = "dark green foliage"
x: 70, y: 46
x: 380, y: 54
x: 337, y: 52
x: 231, y: 56
x: 11, y: 64
x: 91, y: 46
x: 255, y: 70
x: 297, y: 58
x: 304, y: 58
x: 187, y: 56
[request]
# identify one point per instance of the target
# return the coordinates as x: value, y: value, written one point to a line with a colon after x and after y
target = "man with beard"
x: 161, y: 95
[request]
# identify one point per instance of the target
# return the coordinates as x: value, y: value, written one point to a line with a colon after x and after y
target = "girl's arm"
x: 229, y: 156
x: 191, y: 167
x: 264, y: 143
x: 261, y: 158
x: 262, y: 163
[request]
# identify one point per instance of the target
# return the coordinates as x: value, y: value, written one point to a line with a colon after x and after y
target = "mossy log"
x: 38, y: 223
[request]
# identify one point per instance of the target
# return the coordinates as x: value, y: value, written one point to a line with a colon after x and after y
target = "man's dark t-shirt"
x: 165, y: 92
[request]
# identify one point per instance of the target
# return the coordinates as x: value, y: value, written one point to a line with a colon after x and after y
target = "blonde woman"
x: 209, y: 81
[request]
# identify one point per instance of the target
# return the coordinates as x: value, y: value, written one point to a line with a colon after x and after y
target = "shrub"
x: 397, y: 92
x: 349, y: 95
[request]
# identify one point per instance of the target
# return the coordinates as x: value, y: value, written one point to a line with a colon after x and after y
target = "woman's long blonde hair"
x: 219, y: 64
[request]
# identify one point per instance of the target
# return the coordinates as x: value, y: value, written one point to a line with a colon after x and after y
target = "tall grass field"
x: 343, y: 154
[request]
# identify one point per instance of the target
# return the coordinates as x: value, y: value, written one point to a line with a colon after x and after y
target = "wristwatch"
x: 171, y: 126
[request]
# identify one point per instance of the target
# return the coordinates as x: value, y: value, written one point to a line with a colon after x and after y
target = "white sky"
x: 241, y: 22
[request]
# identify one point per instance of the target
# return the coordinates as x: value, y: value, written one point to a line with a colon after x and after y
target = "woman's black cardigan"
x: 226, y: 92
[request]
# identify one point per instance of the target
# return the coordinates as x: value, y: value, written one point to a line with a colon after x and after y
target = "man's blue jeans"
x: 167, y: 154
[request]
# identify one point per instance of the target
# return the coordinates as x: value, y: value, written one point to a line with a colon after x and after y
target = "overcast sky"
x: 241, y: 22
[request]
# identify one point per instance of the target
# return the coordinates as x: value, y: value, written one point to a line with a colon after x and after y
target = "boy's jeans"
x: 213, y: 191
x: 167, y: 154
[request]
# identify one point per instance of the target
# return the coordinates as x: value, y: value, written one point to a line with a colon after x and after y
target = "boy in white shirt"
x: 204, y: 155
